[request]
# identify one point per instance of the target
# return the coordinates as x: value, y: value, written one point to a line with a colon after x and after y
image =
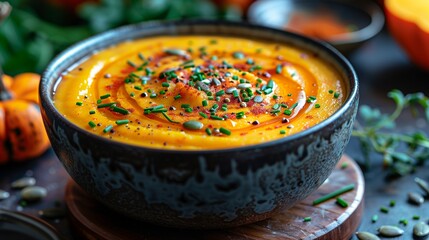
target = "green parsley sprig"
x: 401, y: 152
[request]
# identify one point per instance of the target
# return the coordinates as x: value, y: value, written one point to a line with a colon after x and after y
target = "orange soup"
x: 199, y: 92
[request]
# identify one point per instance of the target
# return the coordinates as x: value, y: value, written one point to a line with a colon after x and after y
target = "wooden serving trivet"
x: 91, y: 220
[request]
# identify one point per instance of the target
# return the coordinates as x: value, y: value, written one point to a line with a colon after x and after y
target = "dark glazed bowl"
x: 364, y: 15
x: 207, y: 188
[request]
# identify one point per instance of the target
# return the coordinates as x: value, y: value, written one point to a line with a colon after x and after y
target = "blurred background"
x: 36, y: 30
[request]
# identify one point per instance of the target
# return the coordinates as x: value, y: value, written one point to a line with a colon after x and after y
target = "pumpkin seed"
x: 193, y: 125
x: 177, y: 52
x: 33, y: 193
x: 3, y: 195
x: 422, y: 184
x: 216, y: 82
x: 415, y: 198
x: 23, y: 182
x: 258, y: 99
x: 421, y: 229
x: 206, y: 81
x: 52, y: 213
x: 390, y: 231
x: 230, y: 90
x: 203, y: 86
x: 366, y: 236
x: 244, y: 85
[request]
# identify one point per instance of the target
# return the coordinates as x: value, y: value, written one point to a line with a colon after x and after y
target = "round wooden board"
x: 90, y: 220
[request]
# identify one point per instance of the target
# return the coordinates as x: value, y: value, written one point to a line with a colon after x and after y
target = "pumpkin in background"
x: 22, y: 133
x: 408, y: 21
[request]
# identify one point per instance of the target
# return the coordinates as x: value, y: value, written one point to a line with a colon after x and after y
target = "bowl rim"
x: 46, y: 99
x: 369, y: 7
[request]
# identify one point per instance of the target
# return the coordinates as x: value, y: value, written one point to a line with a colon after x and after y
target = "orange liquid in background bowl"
x: 324, y: 26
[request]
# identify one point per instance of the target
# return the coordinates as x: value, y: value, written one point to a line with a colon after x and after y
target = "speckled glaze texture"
x: 199, y: 189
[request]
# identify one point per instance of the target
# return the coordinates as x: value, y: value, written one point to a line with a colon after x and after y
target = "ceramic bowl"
x: 205, y: 188
x: 365, y: 17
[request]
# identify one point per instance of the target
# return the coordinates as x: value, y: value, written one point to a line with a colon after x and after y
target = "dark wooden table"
x: 381, y: 66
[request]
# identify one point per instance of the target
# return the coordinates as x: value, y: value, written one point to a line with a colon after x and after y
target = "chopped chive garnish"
x: 103, y: 105
x: 279, y: 69
x: 234, y: 77
x: 79, y: 103
x: 294, y: 106
x: 120, y: 110
x: 336, y: 94
x: 185, y: 105
x: 334, y: 194
x: 177, y: 96
x: 238, y: 55
x: 165, y: 84
x: 344, y: 165
x: 92, y: 124
x: 168, y: 118
x: 220, y: 93
x: 123, y: 121
x: 282, y: 131
x: 416, y: 217
x: 189, y: 110
x: 138, y: 87
x: 208, y: 131
x: 153, y: 95
x: 131, y: 63
x: 107, y: 129
x: 141, y: 56
x: 204, y: 103
x: 275, y: 96
x: 307, y: 219
x: 287, y: 112
x: 99, y: 101
x: 132, y: 94
x: 374, y: 218
x: 203, y: 115
x: 105, y: 96
x: 92, y: 112
x: 317, y: 105
x: 384, y: 210
x: 331, y: 91
x: 342, y: 202
x: 225, y: 131
x: 268, y: 90
x: 216, y: 117
x: 235, y: 93
x: 392, y: 203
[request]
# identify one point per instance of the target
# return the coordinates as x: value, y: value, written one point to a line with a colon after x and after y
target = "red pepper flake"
x: 257, y: 110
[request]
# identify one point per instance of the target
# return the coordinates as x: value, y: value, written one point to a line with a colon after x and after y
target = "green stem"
x: 400, y: 137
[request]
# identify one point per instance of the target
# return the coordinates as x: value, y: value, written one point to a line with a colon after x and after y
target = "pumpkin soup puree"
x: 199, y: 92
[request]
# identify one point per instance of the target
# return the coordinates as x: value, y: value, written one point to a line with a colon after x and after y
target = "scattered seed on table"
x: 390, y: 231
x: 23, y: 182
x: 415, y: 198
x: 421, y: 229
x: 366, y: 236
x: 4, y: 195
x: 33, y: 193
x: 422, y: 184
